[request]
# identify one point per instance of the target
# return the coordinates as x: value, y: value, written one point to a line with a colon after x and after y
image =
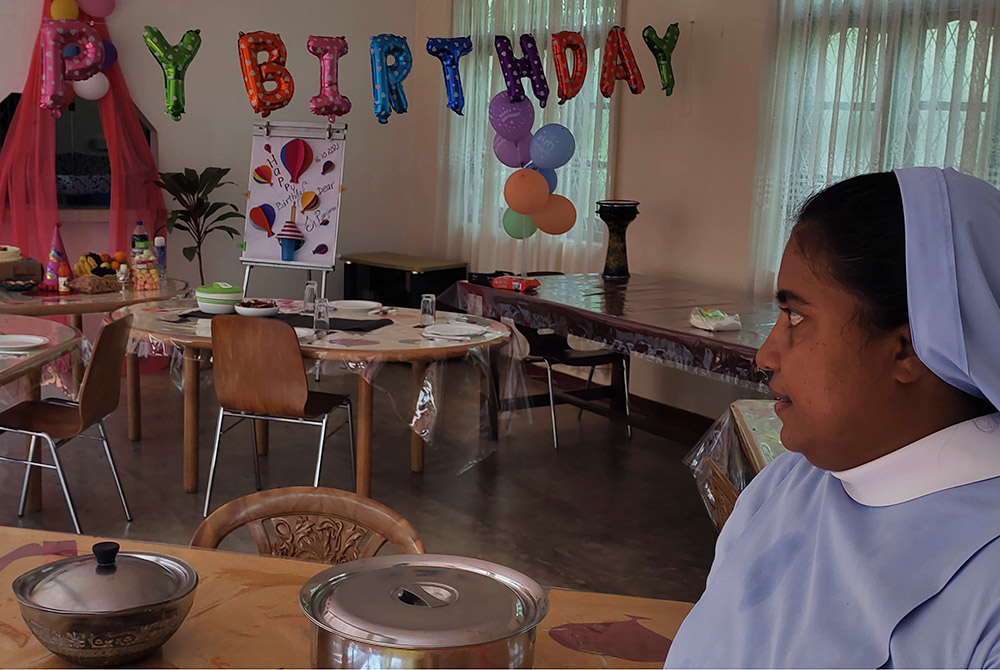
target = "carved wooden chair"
x: 312, y: 524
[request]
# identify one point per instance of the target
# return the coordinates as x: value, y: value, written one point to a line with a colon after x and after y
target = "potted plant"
x: 198, y: 215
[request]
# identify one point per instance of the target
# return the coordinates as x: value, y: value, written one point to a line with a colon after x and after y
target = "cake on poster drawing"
x: 9, y: 254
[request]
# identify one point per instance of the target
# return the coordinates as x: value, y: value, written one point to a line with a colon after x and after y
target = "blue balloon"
x: 548, y: 173
x: 387, y: 80
x: 71, y: 51
x: 552, y: 146
x: 449, y: 50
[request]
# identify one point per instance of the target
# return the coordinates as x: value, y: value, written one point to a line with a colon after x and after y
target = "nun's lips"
x: 783, y: 401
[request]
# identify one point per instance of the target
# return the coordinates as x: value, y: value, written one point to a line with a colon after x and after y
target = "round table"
x: 166, y: 323
x: 62, y: 340
x: 75, y: 305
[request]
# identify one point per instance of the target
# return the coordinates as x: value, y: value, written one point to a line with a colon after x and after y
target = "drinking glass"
x: 309, y: 298
x: 321, y: 317
x: 428, y: 309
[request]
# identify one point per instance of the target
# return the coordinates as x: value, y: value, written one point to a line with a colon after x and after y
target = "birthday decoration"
x: 68, y: 10
x: 662, y: 48
x: 552, y: 146
x: 529, y: 65
x: 93, y: 88
x: 327, y: 167
x: 262, y: 218
x: 290, y: 238
x: 110, y: 54
x: 308, y: 202
x: 321, y: 249
x: 449, y: 50
x: 296, y: 156
x: 550, y: 175
x: 262, y: 175
x: 526, y: 191
x: 174, y: 60
x: 256, y: 74
x: 57, y: 259
x: 54, y: 37
x: 619, y: 63
x: 518, y: 226
x: 512, y: 154
x: 556, y: 216
x: 329, y: 102
x: 98, y: 9
x: 387, y: 80
x: 564, y: 43
x: 512, y: 120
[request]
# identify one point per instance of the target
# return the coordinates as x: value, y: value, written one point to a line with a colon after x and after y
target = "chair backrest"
x: 258, y: 366
x: 102, y: 382
x: 311, y: 523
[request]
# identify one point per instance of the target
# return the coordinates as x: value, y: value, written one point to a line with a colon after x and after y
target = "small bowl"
x: 256, y: 311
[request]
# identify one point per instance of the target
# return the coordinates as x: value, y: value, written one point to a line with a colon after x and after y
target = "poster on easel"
x: 293, y: 207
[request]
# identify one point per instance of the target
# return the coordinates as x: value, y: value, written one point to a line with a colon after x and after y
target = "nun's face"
x: 832, y: 380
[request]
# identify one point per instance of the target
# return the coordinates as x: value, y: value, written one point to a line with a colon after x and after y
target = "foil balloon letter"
x: 387, y: 78
x: 663, y: 48
x: 529, y: 65
x: 449, y: 50
x: 619, y: 63
x: 329, y: 103
x: 55, y: 36
x: 174, y: 59
x: 256, y: 74
x: 296, y: 156
x: 564, y: 43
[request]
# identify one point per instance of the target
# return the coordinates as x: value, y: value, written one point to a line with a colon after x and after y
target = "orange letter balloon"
x: 619, y: 63
x: 564, y: 43
x: 255, y: 74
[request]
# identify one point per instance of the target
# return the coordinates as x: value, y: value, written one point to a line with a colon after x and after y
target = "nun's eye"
x: 794, y: 318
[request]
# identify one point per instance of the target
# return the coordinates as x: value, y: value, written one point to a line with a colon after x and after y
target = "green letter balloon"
x: 174, y: 59
x: 518, y: 226
x: 662, y: 48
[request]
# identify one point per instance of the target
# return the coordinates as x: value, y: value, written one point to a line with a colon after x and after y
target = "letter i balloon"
x: 329, y: 102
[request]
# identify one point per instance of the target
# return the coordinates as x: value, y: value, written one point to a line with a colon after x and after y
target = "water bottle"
x: 160, y: 245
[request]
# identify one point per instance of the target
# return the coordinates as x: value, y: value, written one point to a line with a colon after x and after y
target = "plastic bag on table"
x: 720, y: 468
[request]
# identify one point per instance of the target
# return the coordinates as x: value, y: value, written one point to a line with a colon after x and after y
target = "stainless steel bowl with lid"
x: 106, y: 608
x: 425, y: 610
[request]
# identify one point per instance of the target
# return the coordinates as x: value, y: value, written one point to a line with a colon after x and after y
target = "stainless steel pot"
x: 423, y: 611
x: 106, y: 608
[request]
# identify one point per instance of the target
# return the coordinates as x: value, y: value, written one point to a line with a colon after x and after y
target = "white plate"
x: 15, y: 342
x: 455, y: 330
x: 359, y: 305
x: 256, y: 311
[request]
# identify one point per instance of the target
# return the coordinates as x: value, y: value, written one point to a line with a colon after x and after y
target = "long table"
x: 246, y: 614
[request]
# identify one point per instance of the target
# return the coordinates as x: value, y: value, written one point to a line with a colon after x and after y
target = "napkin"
x: 714, y: 320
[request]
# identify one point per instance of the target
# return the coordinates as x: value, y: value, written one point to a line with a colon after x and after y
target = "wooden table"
x: 62, y: 340
x: 246, y: 613
x: 164, y: 323
x: 75, y: 305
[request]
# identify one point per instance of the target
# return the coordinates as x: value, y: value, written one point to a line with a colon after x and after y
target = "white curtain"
x: 871, y: 85
x: 471, y: 201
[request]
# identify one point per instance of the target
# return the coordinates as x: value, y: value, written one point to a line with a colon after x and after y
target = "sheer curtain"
x: 870, y: 85
x: 471, y: 200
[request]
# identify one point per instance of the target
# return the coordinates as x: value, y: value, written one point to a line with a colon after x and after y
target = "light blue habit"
x: 804, y: 576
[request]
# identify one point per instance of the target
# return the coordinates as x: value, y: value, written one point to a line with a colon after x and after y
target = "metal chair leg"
x: 62, y: 482
x: 552, y: 406
x: 27, y: 476
x: 350, y: 431
x: 253, y: 452
x: 590, y: 379
x: 319, y: 454
x: 215, y: 457
x: 628, y: 414
x: 114, y: 470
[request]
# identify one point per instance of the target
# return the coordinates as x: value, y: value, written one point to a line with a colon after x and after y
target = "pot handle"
x: 106, y: 552
x: 417, y: 595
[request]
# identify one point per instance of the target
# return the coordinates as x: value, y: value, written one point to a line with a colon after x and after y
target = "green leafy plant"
x: 198, y: 215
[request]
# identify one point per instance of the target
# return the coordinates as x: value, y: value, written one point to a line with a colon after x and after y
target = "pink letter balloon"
x: 329, y: 103
x: 56, y: 68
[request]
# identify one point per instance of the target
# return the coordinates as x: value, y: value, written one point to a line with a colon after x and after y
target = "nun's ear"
x: 907, y: 368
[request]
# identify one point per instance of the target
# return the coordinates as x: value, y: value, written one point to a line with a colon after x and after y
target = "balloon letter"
x: 619, y: 63
x: 529, y: 65
x: 55, y: 36
x: 569, y: 84
x: 256, y: 74
x: 449, y: 50
x: 174, y: 59
x: 387, y: 79
x: 329, y: 103
x: 662, y: 48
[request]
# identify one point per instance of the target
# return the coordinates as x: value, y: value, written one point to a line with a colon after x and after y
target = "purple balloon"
x: 110, y: 54
x: 529, y: 65
x: 512, y: 154
x: 511, y: 120
x: 548, y: 173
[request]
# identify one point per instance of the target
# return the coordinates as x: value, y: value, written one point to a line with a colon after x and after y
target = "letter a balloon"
x: 296, y: 156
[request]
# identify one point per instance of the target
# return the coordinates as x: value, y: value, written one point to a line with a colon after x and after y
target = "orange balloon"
x: 556, y: 217
x: 526, y: 191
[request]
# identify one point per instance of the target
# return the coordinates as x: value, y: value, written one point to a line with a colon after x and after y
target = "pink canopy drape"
x: 28, y: 209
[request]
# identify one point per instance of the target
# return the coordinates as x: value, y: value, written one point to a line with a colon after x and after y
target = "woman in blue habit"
x: 874, y: 543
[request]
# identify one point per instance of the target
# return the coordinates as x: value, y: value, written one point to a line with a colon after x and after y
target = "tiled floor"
x: 603, y: 513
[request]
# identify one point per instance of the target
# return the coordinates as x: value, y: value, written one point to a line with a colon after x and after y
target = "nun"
x: 874, y: 541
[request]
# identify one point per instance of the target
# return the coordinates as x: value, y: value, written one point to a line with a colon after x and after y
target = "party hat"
x: 57, y: 255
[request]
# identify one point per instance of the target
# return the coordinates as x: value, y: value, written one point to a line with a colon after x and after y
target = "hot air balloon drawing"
x: 296, y: 156
x: 328, y: 167
x: 267, y: 148
x: 321, y: 249
x: 325, y: 222
x: 262, y: 218
x: 309, y: 201
x: 262, y: 174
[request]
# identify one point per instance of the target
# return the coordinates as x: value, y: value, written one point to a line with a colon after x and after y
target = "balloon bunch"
x: 529, y: 191
x: 73, y: 53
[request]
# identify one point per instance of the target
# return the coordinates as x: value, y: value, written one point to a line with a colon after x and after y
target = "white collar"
x: 964, y: 453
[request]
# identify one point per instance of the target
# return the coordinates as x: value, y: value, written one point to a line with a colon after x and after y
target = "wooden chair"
x: 313, y: 524
x: 57, y: 421
x: 259, y: 375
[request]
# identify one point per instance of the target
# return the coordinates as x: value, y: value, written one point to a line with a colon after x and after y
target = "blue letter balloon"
x: 449, y: 50
x: 387, y: 80
x: 552, y: 146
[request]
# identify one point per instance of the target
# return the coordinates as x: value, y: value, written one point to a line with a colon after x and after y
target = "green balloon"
x: 518, y: 226
x: 662, y: 49
x: 174, y: 59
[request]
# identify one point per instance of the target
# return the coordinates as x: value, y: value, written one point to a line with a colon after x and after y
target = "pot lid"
x: 106, y: 581
x: 219, y: 287
x: 423, y: 601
